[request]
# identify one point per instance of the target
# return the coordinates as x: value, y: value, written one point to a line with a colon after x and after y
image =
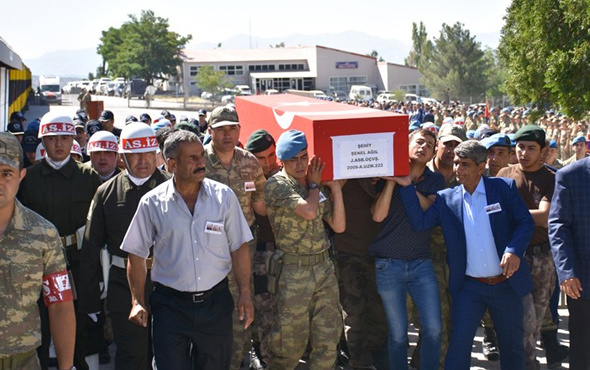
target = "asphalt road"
x: 121, y: 110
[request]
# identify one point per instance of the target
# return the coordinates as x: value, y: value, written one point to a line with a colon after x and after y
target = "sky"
x: 36, y: 27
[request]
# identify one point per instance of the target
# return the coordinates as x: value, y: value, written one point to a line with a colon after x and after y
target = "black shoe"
x: 555, y: 352
x: 490, y: 345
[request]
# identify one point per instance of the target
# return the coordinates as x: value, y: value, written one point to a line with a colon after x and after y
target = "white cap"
x: 103, y: 141
x: 138, y: 137
x: 53, y: 124
x: 76, y: 149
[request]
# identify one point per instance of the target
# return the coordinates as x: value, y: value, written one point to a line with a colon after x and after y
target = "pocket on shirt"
x: 381, y: 264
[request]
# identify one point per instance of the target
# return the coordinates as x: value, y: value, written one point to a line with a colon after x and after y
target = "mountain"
x: 78, y: 63
x: 354, y: 41
x: 66, y: 63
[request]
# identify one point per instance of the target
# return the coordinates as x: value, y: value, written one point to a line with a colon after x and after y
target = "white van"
x: 360, y: 92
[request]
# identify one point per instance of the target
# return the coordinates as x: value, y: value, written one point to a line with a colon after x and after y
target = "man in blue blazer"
x: 569, y: 235
x: 487, y: 228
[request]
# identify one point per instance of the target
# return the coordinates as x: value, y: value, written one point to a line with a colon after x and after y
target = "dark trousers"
x: 468, y: 307
x: 187, y: 333
x: 579, y: 326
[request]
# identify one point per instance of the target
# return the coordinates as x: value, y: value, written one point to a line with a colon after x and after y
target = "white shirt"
x: 482, y: 255
x: 192, y: 252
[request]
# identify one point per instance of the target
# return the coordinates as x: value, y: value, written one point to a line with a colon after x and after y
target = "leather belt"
x: 306, y: 259
x: 68, y: 240
x: 195, y: 297
x: 121, y: 262
x: 492, y: 280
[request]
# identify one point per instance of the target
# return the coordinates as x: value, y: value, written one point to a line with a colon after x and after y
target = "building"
x: 15, y: 83
x: 300, y: 68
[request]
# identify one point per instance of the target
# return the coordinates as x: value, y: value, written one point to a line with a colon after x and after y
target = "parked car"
x: 386, y: 98
x: 271, y: 92
x: 243, y: 90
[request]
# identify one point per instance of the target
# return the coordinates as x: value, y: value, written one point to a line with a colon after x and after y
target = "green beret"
x: 531, y: 133
x: 259, y: 141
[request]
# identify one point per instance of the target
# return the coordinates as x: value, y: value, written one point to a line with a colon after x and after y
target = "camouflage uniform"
x: 438, y: 249
x: 63, y: 197
x: 246, y: 179
x: 364, y: 316
x: 307, y: 296
x: 30, y: 248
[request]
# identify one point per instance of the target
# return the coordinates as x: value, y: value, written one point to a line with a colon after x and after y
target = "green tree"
x: 375, y: 54
x: 456, y: 68
x: 210, y: 80
x: 142, y: 47
x: 421, y: 46
x: 545, y: 47
x: 496, y: 74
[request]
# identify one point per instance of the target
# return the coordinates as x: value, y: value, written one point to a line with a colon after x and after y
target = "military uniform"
x: 109, y: 216
x: 30, y: 249
x: 364, y: 317
x: 63, y: 197
x: 307, y: 295
x: 246, y: 179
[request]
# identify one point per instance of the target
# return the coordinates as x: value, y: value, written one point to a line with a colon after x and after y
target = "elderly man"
x: 487, y: 228
x: 193, y: 224
x: 302, y: 273
x: 31, y: 262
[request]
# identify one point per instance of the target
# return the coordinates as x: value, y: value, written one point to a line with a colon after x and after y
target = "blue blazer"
x: 512, y: 227
x: 569, y: 223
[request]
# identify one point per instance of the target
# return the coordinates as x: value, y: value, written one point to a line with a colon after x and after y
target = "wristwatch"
x: 313, y: 185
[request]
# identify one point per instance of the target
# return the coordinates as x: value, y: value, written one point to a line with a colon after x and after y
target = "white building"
x: 300, y: 68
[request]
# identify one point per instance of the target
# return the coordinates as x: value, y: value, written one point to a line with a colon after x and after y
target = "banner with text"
x: 364, y: 155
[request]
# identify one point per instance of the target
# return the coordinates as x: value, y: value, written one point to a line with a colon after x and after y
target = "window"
x: 343, y: 83
x: 232, y: 70
x: 261, y: 68
x: 292, y: 67
x: 194, y: 70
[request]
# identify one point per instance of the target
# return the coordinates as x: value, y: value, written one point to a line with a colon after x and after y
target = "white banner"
x: 363, y: 155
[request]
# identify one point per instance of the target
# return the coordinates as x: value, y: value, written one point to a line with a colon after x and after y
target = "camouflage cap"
x: 223, y: 116
x: 11, y: 153
x: 452, y: 133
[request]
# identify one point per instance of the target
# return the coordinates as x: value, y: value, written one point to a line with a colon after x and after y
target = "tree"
x: 545, y: 46
x: 142, y: 47
x: 421, y: 46
x: 496, y: 74
x: 375, y: 54
x: 210, y: 80
x: 456, y: 68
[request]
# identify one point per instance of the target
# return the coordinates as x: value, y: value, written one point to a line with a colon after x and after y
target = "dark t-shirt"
x: 533, y: 188
x: 397, y: 238
x: 358, y: 196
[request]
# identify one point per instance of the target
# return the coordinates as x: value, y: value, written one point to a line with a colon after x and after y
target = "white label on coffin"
x: 362, y: 155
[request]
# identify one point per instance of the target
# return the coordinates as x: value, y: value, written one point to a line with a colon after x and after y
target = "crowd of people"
x: 191, y: 249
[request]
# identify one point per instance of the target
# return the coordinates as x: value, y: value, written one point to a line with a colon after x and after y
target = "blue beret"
x: 470, y: 134
x: 512, y: 142
x: 553, y: 144
x: 496, y: 140
x: 290, y: 143
x: 578, y: 139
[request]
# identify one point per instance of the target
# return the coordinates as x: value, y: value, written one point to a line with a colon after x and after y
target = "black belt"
x: 538, y: 249
x: 195, y: 297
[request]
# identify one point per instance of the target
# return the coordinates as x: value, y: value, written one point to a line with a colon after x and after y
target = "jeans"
x: 395, y: 279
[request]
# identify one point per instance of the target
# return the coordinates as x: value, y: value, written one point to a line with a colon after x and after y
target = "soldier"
x: 535, y: 183
x: 111, y: 212
x: 499, y: 147
x: 16, y: 125
x: 262, y: 145
x: 61, y: 189
x: 107, y: 119
x: 302, y: 272
x: 31, y: 261
x: 579, y: 147
x: 84, y: 98
x: 203, y: 120
x: 238, y: 169
x: 81, y: 137
x: 552, y: 154
x: 102, y: 148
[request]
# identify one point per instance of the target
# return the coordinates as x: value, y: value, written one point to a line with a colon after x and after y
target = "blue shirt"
x: 482, y: 255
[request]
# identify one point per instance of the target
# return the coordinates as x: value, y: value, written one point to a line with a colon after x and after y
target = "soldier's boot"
x: 490, y: 345
x: 554, y: 351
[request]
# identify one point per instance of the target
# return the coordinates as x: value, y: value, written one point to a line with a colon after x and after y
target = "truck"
x: 50, y: 89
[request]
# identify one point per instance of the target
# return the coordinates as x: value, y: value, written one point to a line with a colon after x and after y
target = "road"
x: 121, y: 110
